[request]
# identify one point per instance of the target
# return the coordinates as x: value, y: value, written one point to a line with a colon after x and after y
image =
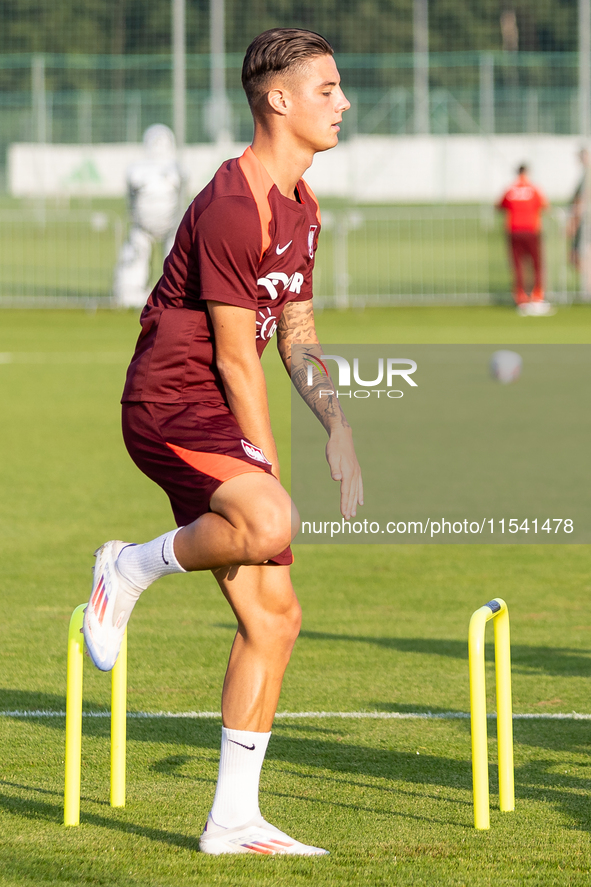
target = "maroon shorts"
x: 190, y: 450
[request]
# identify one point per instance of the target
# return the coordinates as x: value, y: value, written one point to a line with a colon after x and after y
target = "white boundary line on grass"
x: 304, y: 715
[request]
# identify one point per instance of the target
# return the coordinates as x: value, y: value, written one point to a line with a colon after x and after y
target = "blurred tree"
x: 353, y: 26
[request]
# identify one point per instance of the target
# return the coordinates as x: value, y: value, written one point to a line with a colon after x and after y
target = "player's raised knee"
x: 270, y: 527
x: 269, y: 536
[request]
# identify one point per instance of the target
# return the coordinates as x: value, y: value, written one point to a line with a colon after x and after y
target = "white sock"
x: 140, y: 565
x: 143, y: 564
x: 237, y: 793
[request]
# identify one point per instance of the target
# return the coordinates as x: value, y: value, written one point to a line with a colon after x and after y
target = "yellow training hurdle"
x: 75, y: 670
x: 497, y: 611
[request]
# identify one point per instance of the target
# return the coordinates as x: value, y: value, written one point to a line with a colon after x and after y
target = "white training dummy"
x: 154, y: 189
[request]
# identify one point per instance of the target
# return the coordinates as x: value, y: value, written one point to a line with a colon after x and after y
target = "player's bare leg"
x: 268, y: 615
x: 250, y: 521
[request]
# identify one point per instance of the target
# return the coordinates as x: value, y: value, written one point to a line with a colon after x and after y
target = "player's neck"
x: 285, y: 163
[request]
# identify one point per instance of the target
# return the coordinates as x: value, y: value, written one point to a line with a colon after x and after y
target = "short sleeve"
x: 227, y: 245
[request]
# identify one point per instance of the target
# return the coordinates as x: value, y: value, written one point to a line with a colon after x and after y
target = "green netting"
x: 101, y: 98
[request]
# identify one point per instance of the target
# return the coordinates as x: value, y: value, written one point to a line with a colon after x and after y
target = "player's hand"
x: 344, y: 467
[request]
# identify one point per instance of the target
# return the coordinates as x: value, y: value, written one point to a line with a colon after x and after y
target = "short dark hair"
x: 280, y: 49
x: 522, y: 169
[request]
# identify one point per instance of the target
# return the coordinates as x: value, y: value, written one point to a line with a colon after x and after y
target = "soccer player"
x: 196, y: 419
x: 524, y: 204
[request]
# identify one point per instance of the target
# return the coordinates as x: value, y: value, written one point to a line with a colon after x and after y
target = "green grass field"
x: 385, y: 630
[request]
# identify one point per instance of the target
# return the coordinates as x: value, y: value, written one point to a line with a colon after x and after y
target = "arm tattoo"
x: 296, y: 327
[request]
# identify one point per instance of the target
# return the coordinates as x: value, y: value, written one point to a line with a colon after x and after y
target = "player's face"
x: 317, y: 103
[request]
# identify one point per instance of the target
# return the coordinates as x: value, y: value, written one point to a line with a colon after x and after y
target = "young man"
x: 196, y: 419
x: 524, y: 204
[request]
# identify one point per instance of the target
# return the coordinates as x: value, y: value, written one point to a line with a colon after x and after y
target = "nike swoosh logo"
x: 247, y: 747
x: 163, y: 558
x: 281, y: 249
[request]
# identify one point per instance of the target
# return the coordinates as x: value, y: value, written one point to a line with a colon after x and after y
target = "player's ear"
x: 278, y: 100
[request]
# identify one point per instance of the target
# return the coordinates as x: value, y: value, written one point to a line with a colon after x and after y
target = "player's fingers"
x: 360, y: 490
x: 335, y: 466
x: 344, y: 500
x: 351, y: 495
x: 346, y: 495
x: 339, y: 469
x: 354, y: 492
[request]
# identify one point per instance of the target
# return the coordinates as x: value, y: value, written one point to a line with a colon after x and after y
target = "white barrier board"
x: 374, y: 169
x: 98, y: 170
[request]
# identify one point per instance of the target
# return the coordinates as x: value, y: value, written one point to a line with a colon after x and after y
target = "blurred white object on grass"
x: 505, y: 366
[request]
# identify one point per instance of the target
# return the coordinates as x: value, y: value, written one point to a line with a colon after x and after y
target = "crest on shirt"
x: 311, y: 233
x: 267, y: 325
x: 254, y: 452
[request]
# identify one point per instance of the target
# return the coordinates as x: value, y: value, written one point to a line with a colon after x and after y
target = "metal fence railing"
x: 393, y: 255
x: 428, y: 255
x: 57, y: 257
x: 100, y: 98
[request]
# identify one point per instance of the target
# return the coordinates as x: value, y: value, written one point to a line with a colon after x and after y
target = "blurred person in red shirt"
x: 524, y: 204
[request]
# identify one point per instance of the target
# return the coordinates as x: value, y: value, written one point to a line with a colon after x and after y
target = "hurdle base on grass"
x: 75, y: 670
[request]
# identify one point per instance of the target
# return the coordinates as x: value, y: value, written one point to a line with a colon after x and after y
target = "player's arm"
x: 296, y: 327
x: 242, y: 374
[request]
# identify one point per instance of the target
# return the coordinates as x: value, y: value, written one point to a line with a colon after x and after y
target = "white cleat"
x: 541, y: 308
x: 536, y: 309
x: 103, y: 639
x: 257, y: 836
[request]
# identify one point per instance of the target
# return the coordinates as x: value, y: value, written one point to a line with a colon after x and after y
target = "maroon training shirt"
x: 240, y: 242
